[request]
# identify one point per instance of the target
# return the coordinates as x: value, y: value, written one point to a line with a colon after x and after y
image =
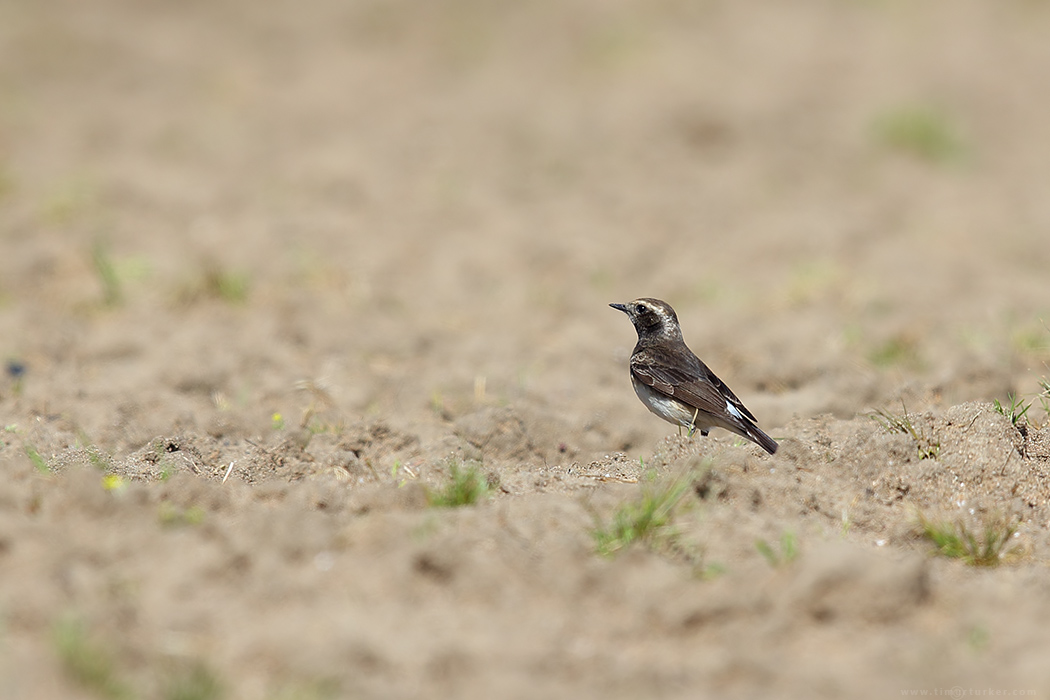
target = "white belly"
x: 671, y: 410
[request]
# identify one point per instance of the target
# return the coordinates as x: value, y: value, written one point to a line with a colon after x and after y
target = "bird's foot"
x: 692, y: 424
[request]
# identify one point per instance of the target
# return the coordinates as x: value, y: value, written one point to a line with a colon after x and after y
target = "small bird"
x: 675, y: 384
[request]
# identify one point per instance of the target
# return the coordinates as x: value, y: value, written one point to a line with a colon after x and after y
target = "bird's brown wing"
x: 694, y: 384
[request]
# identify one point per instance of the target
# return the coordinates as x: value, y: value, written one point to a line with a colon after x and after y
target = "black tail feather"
x: 755, y: 435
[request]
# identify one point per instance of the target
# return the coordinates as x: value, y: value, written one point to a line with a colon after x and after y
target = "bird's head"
x: 652, y: 318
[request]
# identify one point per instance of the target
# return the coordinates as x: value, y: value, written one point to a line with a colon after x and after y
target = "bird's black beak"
x: 620, y: 307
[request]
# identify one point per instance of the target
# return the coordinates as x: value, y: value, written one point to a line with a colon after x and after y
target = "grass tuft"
x: 1044, y: 396
x: 465, y: 487
x: 39, y: 462
x: 228, y: 285
x: 1017, y: 412
x: 106, y: 270
x: 216, y: 282
x: 194, y: 682
x: 170, y: 515
x: 926, y: 446
x: 649, y: 520
x: 921, y: 131
x: 86, y: 662
x: 955, y: 540
x: 899, y: 350
x: 788, y: 550
x: 98, y: 458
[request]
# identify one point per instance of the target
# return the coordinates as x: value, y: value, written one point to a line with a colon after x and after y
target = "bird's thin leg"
x: 692, y: 422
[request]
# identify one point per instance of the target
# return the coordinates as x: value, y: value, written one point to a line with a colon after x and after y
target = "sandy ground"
x: 270, y: 271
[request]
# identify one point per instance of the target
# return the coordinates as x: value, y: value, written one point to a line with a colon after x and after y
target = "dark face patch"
x: 646, y: 319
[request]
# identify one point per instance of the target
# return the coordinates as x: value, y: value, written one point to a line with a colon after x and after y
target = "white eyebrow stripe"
x: 733, y: 412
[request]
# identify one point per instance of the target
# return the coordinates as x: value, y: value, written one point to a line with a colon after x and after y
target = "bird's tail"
x: 755, y: 435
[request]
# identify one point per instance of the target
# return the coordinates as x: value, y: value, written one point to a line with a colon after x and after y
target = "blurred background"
x: 212, y: 212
